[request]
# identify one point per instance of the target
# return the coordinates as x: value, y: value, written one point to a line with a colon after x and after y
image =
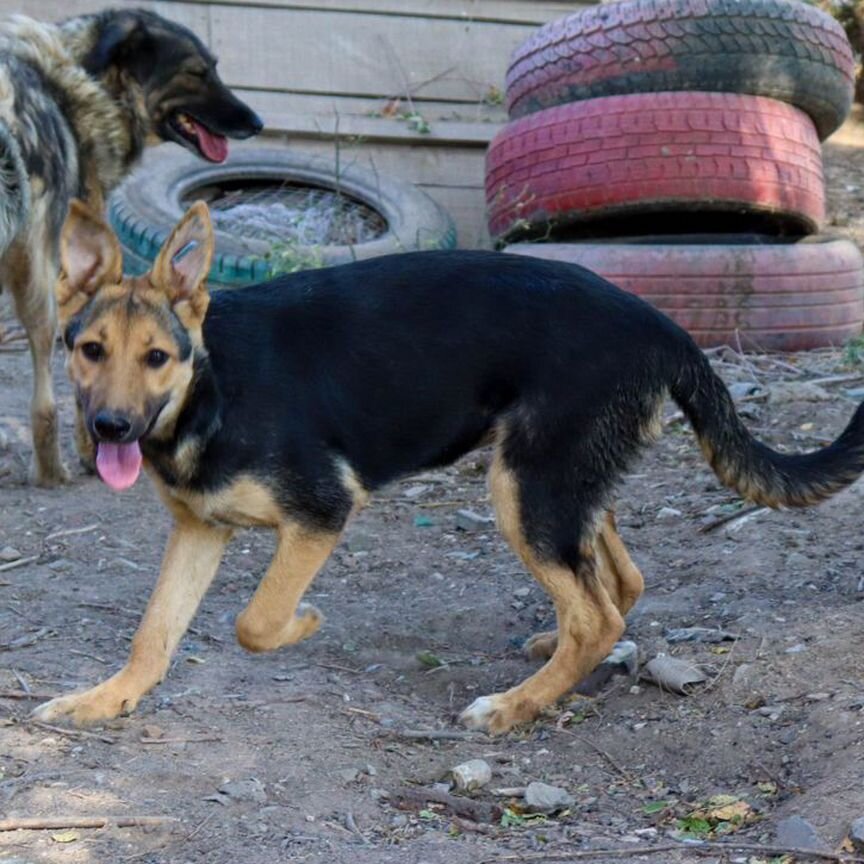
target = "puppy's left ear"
x: 90, y: 256
x: 183, y: 263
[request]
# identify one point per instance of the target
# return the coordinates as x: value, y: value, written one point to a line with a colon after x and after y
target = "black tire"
x: 147, y: 206
x: 782, y: 49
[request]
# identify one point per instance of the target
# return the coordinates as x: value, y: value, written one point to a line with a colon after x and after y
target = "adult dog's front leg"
x: 271, y: 619
x: 190, y: 563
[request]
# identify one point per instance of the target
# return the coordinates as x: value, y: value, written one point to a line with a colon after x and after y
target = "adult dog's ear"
x: 118, y: 35
x: 90, y: 256
x: 183, y: 263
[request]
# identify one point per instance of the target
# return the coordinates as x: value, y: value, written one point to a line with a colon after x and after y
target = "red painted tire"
x: 785, y: 50
x: 622, y: 156
x: 773, y: 295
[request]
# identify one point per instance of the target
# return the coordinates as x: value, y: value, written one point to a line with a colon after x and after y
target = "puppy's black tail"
x: 14, y: 189
x: 752, y: 469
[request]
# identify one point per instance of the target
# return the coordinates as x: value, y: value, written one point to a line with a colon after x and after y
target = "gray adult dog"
x: 79, y: 101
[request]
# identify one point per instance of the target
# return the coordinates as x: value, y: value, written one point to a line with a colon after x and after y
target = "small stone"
x: 471, y: 521
x: 522, y: 592
x: 349, y: 775
x: 782, y: 392
x: 400, y: 820
x: 360, y: 541
x: 818, y: 697
x: 667, y: 514
x: 856, y: 393
x: 740, y: 389
x: 856, y: 834
x: 796, y: 561
x: 543, y: 798
x: 800, y: 648
x: 244, y: 790
x: 9, y: 553
x: 60, y: 564
x: 416, y: 491
x: 379, y: 794
x: 773, y: 712
x: 798, y: 833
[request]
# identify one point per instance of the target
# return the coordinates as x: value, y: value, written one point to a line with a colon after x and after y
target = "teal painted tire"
x: 147, y: 206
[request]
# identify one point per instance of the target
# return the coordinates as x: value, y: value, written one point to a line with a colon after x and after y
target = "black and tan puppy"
x: 80, y: 101
x: 286, y: 404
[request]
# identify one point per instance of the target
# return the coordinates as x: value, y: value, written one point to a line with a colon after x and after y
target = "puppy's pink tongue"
x: 213, y: 146
x: 118, y: 464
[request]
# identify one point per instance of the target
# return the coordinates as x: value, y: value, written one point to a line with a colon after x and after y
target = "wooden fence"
x: 411, y: 88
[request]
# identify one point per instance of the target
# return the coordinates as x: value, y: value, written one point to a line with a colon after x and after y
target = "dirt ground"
x: 301, y: 755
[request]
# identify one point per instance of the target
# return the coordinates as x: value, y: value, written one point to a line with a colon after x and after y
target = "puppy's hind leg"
x: 30, y: 278
x: 589, y: 623
x: 619, y: 575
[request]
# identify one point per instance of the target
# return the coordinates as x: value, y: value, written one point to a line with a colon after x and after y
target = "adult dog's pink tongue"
x: 118, y: 464
x: 213, y: 146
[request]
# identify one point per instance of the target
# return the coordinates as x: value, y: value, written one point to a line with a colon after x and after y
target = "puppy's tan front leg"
x: 188, y: 567
x: 270, y: 620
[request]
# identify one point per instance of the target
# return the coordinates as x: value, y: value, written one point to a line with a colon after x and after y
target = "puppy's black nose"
x: 111, y: 427
x: 256, y: 123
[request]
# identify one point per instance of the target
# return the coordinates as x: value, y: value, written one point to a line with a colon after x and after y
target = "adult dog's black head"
x: 172, y: 81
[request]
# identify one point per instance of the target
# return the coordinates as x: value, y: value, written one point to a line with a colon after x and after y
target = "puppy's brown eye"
x: 156, y: 358
x: 93, y: 351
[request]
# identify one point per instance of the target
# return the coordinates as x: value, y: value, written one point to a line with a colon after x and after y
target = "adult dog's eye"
x: 93, y: 351
x: 156, y: 358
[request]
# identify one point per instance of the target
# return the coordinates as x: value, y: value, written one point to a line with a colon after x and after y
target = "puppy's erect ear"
x: 90, y: 256
x: 183, y: 263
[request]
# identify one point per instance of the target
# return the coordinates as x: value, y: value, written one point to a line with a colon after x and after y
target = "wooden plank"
x: 456, y: 167
x: 361, y: 55
x: 194, y: 15
x: 331, y: 105
x: 512, y: 11
x: 346, y: 119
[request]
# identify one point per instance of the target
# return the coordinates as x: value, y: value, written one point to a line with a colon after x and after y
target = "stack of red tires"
x: 673, y: 146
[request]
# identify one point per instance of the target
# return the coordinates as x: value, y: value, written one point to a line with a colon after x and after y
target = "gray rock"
x: 416, y: 491
x: 667, y: 514
x: 740, y: 389
x: 360, y: 541
x: 796, y: 391
x: 349, y: 775
x: 798, y: 833
x: 9, y: 553
x: 856, y: 834
x: 543, y: 798
x: 470, y: 521
x: 796, y: 561
x: 854, y: 393
x: 800, y: 648
x: 244, y: 790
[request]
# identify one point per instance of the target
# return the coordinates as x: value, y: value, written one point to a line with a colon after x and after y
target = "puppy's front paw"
x: 497, y: 714
x: 104, y: 702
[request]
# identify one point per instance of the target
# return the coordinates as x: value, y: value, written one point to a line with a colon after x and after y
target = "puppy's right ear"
x: 90, y: 256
